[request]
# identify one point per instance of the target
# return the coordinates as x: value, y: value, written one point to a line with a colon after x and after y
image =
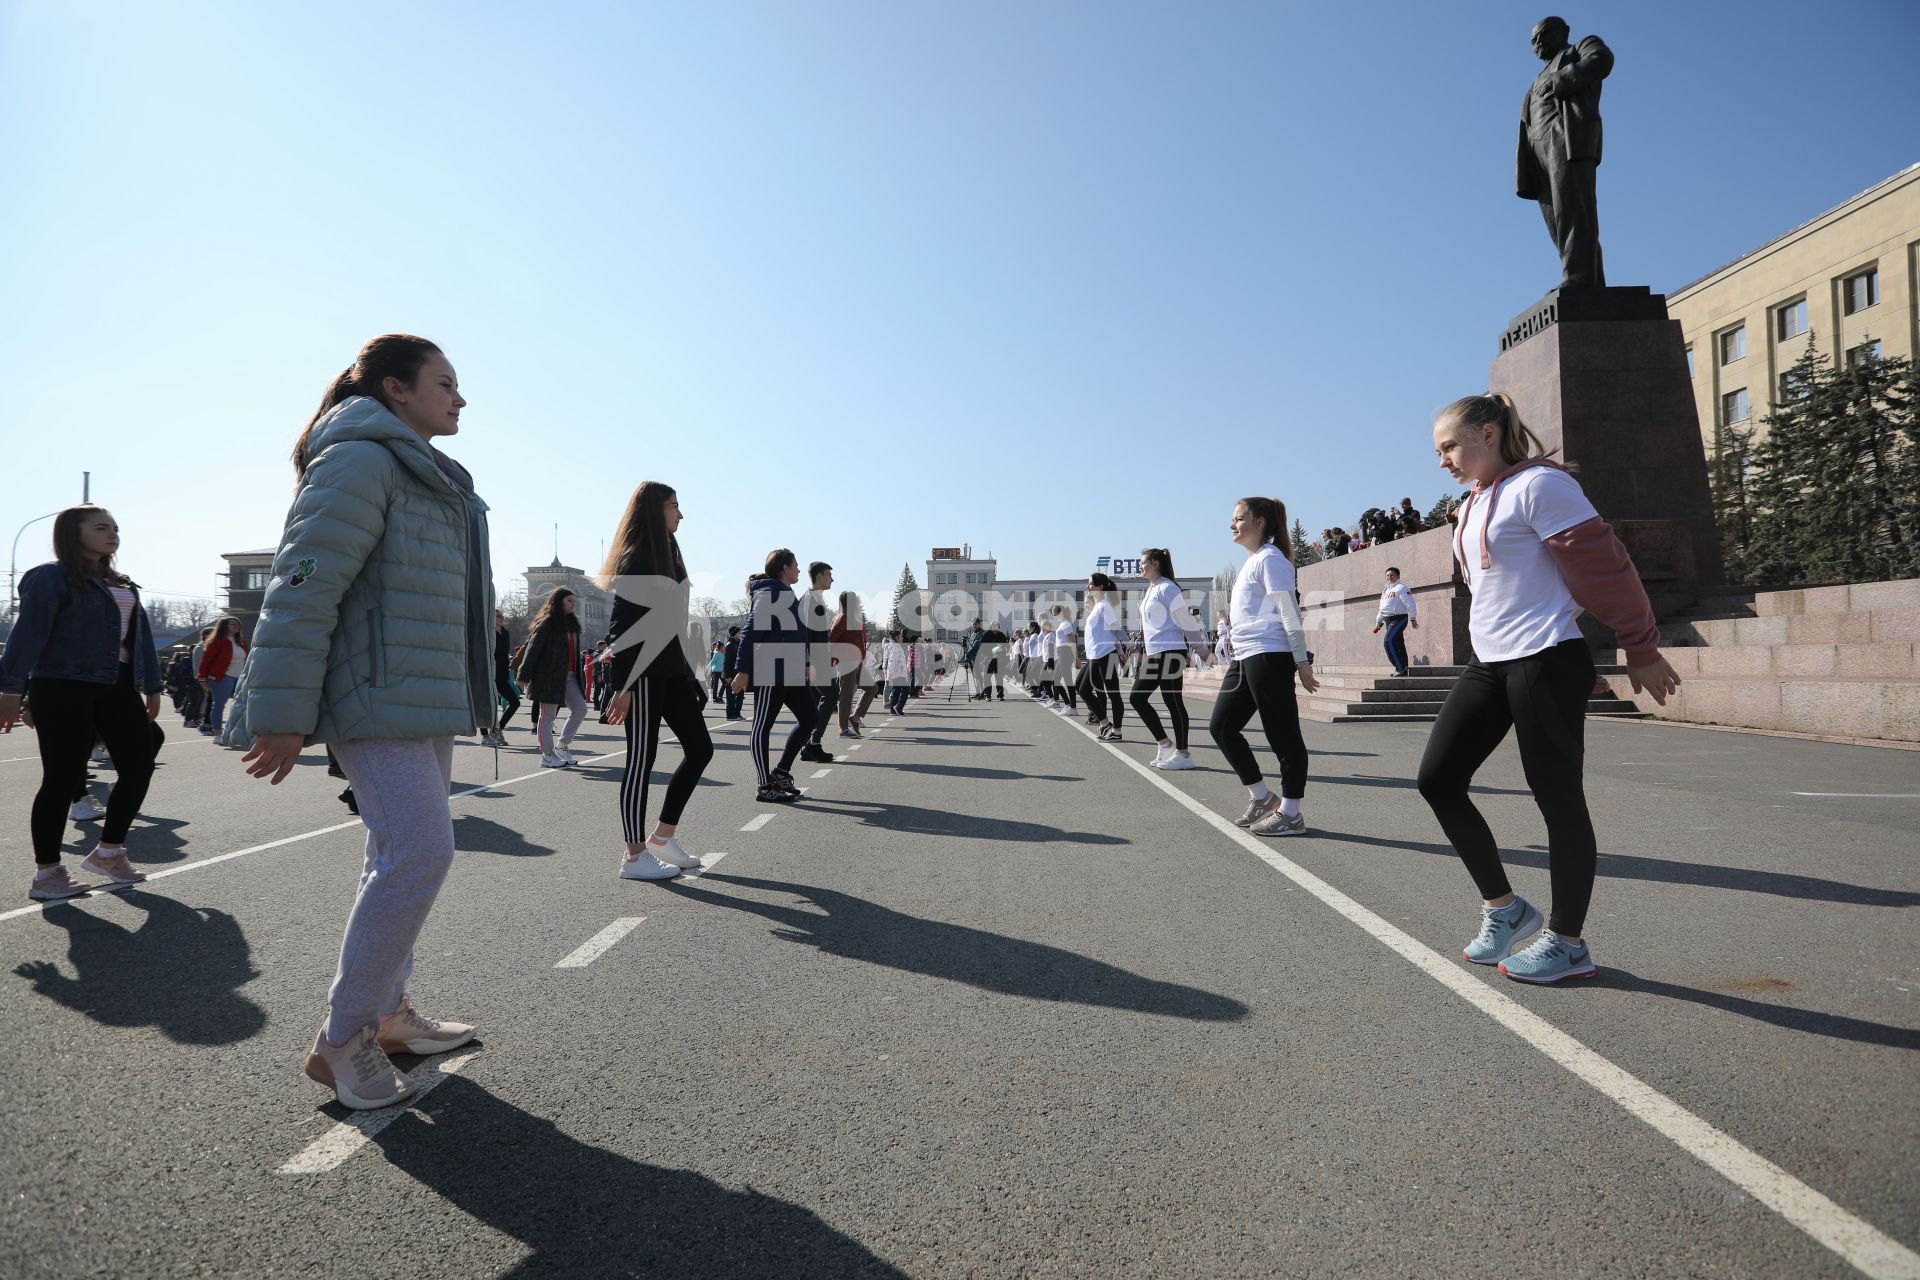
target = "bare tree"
x: 709, y: 607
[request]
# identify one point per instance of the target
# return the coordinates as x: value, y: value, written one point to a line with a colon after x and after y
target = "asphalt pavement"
x: 992, y: 1000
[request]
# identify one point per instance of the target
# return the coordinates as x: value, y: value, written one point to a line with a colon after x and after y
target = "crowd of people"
x: 377, y: 639
x: 1382, y: 524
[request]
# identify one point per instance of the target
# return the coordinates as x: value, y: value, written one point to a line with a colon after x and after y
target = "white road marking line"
x: 1857, y: 1242
x: 853, y: 748
x: 1860, y: 795
x: 754, y: 824
x: 36, y: 908
x: 596, y: 946
x: 332, y: 1149
x: 707, y: 864
x: 820, y: 773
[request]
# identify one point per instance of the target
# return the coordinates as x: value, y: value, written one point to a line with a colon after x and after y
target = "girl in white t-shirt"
x: 1534, y: 552
x: 1100, y: 663
x: 1269, y: 649
x: 1171, y: 641
x: 1066, y: 645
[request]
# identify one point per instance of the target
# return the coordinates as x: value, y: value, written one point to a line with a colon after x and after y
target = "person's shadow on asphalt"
x: 586, y: 1211
x: 180, y: 971
x: 915, y: 820
x: 861, y: 930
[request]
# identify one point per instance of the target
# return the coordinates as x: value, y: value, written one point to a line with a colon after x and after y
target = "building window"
x: 1689, y: 359
x: 1733, y: 407
x: 1857, y: 356
x: 1792, y: 387
x: 1733, y: 344
x: 1791, y: 320
x: 1858, y: 292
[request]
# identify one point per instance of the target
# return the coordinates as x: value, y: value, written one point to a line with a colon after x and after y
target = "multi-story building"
x: 961, y: 587
x: 594, y: 606
x: 246, y: 586
x: 1844, y: 281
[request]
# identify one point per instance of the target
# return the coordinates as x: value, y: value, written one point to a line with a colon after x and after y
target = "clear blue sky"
x: 1059, y: 280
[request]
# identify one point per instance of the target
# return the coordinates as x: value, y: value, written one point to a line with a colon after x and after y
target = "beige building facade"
x: 594, y: 607
x: 1845, y: 281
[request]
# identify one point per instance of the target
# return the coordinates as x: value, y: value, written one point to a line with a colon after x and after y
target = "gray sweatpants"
x: 400, y: 785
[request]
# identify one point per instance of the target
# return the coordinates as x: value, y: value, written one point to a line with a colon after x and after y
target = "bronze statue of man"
x: 1560, y: 146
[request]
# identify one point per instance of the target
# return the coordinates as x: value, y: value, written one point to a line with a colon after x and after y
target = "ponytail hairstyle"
x: 391, y: 355
x: 80, y: 563
x: 1160, y: 556
x: 1102, y: 581
x: 777, y: 561
x: 1272, y: 515
x: 551, y: 614
x: 642, y: 545
x: 851, y: 612
x: 1497, y: 410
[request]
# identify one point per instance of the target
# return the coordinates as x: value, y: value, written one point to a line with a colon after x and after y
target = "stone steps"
x: 1358, y: 695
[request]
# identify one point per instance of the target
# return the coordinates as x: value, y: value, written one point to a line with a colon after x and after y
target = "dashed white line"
x: 37, y: 907
x: 820, y: 773
x: 754, y: 824
x: 600, y: 943
x: 1857, y: 1241
x: 707, y: 864
x: 1860, y: 795
x: 853, y: 748
x: 332, y: 1149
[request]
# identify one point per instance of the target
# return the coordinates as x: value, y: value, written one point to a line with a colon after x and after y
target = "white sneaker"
x: 1160, y: 755
x: 86, y: 809
x: 644, y: 866
x: 1065, y: 710
x: 672, y: 854
x: 1178, y: 760
x: 99, y: 755
x: 567, y: 758
x: 552, y: 762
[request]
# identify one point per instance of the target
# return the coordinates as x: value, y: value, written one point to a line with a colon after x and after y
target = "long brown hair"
x: 73, y: 555
x: 642, y: 545
x: 1272, y: 515
x: 550, y: 611
x: 391, y: 355
x: 220, y: 631
x: 1496, y: 409
x: 1160, y: 556
x: 777, y: 561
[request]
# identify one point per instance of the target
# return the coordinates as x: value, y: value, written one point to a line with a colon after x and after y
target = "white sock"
x: 1291, y: 808
x: 1259, y: 790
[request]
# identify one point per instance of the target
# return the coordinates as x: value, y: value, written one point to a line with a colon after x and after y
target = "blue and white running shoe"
x: 1549, y: 958
x: 1500, y: 928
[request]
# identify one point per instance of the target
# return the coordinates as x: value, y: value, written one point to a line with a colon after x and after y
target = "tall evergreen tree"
x: 1303, y: 549
x: 907, y: 585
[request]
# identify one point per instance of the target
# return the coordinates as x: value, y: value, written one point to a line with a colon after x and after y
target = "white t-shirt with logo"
x: 1521, y: 604
x: 1264, y: 614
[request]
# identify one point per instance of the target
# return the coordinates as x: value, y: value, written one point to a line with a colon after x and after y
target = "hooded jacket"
x: 376, y: 618
x: 773, y: 644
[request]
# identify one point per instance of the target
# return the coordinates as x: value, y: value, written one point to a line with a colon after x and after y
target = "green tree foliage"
x: 907, y: 585
x: 1437, y: 513
x: 1832, y: 490
x: 1303, y: 548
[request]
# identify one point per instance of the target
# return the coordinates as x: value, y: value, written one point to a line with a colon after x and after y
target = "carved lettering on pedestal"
x: 1535, y: 321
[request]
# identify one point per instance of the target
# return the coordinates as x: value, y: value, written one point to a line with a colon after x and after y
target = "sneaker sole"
x: 1587, y: 972
x: 60, y: 897
x: 424, y: 1048
x: 1278, y: 833
x: 1529, y: 925
x: 318, y: 1071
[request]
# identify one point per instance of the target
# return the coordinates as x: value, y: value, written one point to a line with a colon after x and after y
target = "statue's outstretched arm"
x: 1593, y: 61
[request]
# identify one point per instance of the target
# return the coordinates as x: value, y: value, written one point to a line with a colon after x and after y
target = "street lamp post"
x: 13, y: 561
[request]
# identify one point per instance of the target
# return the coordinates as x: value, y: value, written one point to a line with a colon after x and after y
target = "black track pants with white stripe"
x: 801, y: 699
x: 676, y: 701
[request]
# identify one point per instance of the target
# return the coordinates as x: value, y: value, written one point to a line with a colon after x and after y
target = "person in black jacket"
x: 987, y: 655
x: 773, y: 658
x: 502, y: 681
x: 551, y: 669
x: 655, y: 677
x: 816, y: 615
x: 728, y: 668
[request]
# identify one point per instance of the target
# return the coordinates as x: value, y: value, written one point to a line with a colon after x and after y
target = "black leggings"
x: 1167, y: 673
x: 69, y: 716
x: 1543, y: 698
x: 1100, y: 686
x: 1261, y: 682
x: 677, y: 701
x: 801, y: 699
x: 503, y: 685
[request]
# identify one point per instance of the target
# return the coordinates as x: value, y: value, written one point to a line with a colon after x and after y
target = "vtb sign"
x: 1118, y: 567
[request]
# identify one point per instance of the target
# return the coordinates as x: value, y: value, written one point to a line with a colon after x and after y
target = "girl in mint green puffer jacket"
x: 374, y: 638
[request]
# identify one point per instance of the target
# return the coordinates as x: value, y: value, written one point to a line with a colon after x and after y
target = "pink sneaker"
x: 359, y: 1074
x: 55, y: 885
x: 404, y: 1031
x: 114, y: 866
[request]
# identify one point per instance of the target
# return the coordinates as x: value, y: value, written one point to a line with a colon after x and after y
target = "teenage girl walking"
x: 1100, y: 677
x: 1172, y: 638
x: 1066, y: 654
x: 848, y: 641
x: 551, y: 670
x: 1534, y: 552
x: 373, y: 639
x: 773, y: 658
x: 716, y: 664
x: 656, y: 682
x: 81, y: 658
x: 221, y: 666
x: 1269, y: 649
x: 503, y: 690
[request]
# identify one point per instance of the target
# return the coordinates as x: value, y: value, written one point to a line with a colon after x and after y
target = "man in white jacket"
x: 1397, y: 613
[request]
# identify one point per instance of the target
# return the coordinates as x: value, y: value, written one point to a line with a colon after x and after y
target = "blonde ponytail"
x: 1496, y: 409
